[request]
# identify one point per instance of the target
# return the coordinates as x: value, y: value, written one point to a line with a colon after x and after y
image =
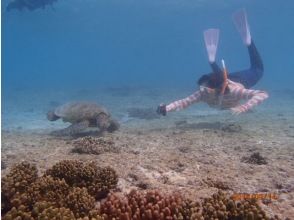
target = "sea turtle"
x: 82, y: 115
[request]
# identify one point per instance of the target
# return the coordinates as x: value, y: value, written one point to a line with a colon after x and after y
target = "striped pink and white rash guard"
x: 231, y: 100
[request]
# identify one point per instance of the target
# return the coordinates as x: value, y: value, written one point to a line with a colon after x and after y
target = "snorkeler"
x: 220, y: 89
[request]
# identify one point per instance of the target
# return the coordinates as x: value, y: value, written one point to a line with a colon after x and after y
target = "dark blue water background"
x: 140, y: 42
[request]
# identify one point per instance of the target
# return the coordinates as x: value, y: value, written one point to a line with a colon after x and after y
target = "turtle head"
x: 51, y: 116
x: 102, y: 121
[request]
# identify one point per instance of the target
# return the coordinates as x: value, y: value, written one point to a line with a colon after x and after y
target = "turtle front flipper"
x: 73, y: 130
x: 113, y: 126
x: 102, y: 122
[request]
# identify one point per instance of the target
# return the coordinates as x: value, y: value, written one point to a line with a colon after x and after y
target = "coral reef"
x: 16, y: 182
x: 21, y: 213
x: 97, y: 180
x: 76, y: 195
x: 92, y: 145
x: 45, y: 210
x: 221, y: 207
x: 18, y: 179
x: 142, y: 113
x: 142, y: 205
x: 254, y: 158
x: 155, y: 205
x: 27, y: 196
x: 80, y: 201
x: 72, y: 171
x: 44, y: 189
x: 105, y: 180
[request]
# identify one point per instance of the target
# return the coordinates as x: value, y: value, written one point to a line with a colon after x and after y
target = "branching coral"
x: 20, y: 213
x: 143, y: 205
x: 154, y: 205
x: 52, y: 197
x: 72, y: 171
x: 45, y: 210
x: 44, y: 189
x: 106, y: 179
x: 80, y: 201
x: 221, y: 207
x: 18, y: 179
x: 97, y: 180
x: 16, y: 182
x: 91, y: 145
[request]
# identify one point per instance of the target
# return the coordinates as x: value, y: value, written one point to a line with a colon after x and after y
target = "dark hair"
x: 212, y: 80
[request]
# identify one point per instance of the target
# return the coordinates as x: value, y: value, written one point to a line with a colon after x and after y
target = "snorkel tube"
x: 224, y: 84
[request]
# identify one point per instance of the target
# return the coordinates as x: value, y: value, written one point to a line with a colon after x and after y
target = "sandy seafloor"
x: 185, y: 151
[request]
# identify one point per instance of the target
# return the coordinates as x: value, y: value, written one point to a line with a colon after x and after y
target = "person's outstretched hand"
x: 161, y: 109
x: 237, y: 110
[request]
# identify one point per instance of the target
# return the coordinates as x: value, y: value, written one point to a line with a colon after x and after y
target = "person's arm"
x: 184, y: 103
x: 254, y: 98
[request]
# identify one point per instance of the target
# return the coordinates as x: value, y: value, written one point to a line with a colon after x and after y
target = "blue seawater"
x: 153, y: 43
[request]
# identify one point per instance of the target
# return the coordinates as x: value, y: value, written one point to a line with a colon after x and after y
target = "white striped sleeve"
x: 184, y: 103
x: 254, y: 97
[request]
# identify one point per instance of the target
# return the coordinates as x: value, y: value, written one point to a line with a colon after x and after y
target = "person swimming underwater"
x: 219, y: 89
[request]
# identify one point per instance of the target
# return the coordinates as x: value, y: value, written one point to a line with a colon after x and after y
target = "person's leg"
x: 251, y: 76
x: 211, y: 38
x: 255, y: 59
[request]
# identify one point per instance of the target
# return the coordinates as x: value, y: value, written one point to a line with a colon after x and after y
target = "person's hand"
x: 161, y: 109
x: 238, y: 110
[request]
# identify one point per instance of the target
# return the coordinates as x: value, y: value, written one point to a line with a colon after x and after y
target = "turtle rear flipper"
x: 73, y: 130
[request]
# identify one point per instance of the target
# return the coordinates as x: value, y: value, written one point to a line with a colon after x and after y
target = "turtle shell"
x: 78, y: 111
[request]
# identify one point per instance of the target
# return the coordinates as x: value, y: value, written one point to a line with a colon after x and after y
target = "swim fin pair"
x: 211, y: 36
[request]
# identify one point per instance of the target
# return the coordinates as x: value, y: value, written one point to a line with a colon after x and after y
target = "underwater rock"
x: 92, y: 145
x: 254, y: 158
x: 143, y: 113
x: 231, y: 128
